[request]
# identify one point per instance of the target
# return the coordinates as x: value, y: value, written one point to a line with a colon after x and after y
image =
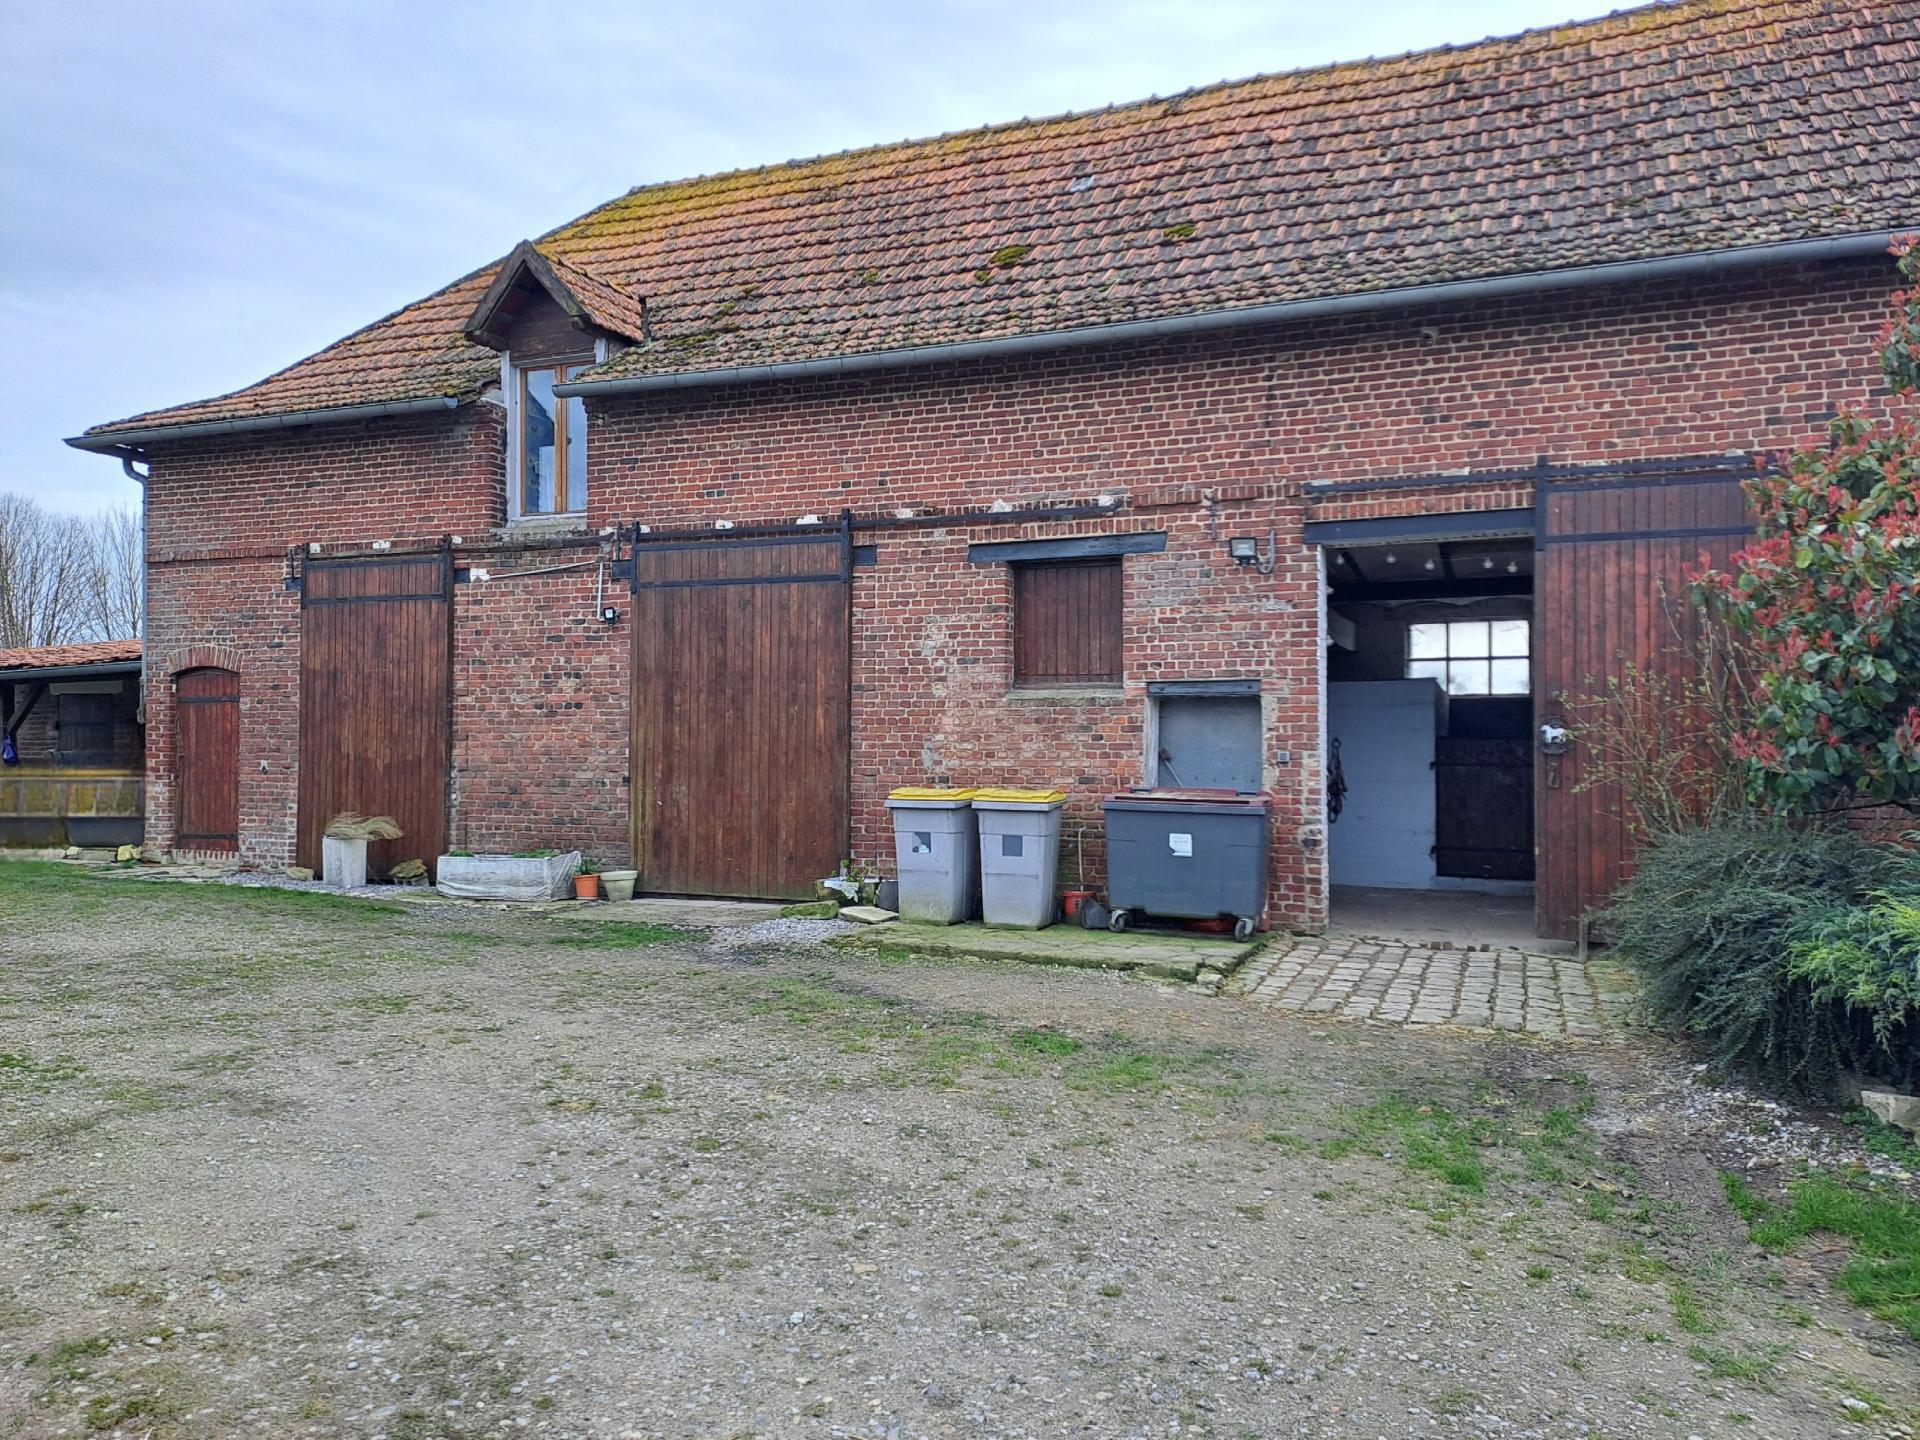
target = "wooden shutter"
x: 1067, y: 623
x: 85, y: 730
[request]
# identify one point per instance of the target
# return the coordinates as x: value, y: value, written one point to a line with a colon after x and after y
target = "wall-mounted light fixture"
x: 609, y: 614
x: 1245, y: 550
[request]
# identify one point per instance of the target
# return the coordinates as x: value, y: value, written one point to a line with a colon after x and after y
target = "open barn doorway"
x: 1429, y: 668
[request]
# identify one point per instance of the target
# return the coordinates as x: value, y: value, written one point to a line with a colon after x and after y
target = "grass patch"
x: 1690, y: 1312
x: 1887, y: 1141
x: 1461, y: 1143
x: 1883, y: 1274
x: 51, y: 888
x: 1424, y: 1137
x: 620, y: 935
x: 1725, y: 1363
x: 23, y: 1072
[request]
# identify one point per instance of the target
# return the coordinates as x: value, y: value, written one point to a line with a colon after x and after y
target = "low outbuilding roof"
x: 1671, y: 130
x: 60, y: 657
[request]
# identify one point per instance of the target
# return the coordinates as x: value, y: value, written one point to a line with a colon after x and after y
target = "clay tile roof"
x: 581, y: 294
x: 609, y: 306
x: 47, y: 657
x: 1671, y: 129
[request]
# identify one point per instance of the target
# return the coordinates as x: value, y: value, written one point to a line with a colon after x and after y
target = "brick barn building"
x: 1386, y: 403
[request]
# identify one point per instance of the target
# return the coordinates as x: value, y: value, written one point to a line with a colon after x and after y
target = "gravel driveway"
x: 282, y: 1165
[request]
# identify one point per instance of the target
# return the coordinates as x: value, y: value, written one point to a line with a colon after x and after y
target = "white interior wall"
x: 1386, y: 728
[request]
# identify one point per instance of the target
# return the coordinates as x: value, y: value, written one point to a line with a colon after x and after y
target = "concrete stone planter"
x: 508, y: 877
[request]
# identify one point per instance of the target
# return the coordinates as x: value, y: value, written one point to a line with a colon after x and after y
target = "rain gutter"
x: 123, y: 441
x: 1448, y: 292
x: 93, y: 670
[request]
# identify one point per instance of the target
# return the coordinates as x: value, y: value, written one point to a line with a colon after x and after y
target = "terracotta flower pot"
x: 586, y: 887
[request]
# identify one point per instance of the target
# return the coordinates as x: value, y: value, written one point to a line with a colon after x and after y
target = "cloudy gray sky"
x: 198, y: 192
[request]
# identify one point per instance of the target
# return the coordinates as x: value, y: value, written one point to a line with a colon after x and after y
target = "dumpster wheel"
x: 1119, y: 920
x: 1243, y: 928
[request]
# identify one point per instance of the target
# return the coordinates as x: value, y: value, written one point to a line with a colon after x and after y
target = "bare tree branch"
x: 66, y: 577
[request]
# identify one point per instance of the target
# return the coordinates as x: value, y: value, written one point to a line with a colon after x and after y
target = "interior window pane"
x: 1467, y: 638
x: 1510, y: 677
x: 536, y: 443
x: 576, y: 453
x: 1426, y: 642
x: 1427, y: 670
x: 1510, y: 637
x: 1467, y: 677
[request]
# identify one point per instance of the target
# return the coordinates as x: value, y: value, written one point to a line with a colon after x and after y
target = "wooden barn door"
x: 1612, y: 589
x: 1483, y: 808
x: 206, y: 720
x: 741, y: 743
x: 376, y: 651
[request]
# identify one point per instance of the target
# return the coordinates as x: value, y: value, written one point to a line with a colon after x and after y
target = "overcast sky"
x: 198, y: 192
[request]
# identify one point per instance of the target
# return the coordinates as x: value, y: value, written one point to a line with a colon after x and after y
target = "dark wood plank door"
x: 1483, y: 807
x: 1615, y: 558
x: 741, y: 738
x: 376, y: 673
x: 206, y: 711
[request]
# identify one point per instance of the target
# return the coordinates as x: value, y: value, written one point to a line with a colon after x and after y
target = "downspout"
x: 126, y: 464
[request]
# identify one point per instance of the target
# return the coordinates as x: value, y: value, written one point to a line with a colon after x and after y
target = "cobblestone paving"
x: 1352, y: 978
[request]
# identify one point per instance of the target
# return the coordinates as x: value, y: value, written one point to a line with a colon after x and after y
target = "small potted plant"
x: 586, y: 881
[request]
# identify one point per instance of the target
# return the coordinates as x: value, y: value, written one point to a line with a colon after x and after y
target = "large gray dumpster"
x: 937, y: 851
x: 1019, y: 855
x: 1187, y: 854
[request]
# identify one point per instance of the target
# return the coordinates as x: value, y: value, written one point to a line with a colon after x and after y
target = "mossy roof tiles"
x: 1667, y: 130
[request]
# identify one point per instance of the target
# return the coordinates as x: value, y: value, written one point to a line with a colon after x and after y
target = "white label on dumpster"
x: 923, y: 842
x: 1181, y: 845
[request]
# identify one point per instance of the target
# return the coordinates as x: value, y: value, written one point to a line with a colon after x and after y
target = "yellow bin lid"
x: 1020, y: 797
x: 929, y: 792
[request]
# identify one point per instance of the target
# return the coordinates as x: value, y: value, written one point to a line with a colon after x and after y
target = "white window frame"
x: 1446, y: 661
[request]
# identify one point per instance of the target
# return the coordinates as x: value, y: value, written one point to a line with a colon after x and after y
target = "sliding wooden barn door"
x: 1616, y: 557
x: 376, y: 675
x: 741, y: 711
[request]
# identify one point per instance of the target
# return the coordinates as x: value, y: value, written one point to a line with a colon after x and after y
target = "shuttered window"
x: 85, y: 735
x: 1066, y: 623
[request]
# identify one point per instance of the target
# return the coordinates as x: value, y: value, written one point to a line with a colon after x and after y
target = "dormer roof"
x: 593, y: 304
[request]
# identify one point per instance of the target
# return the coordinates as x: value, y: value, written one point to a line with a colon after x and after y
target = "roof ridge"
x: 1680, y: 11
x: 1561, y: 146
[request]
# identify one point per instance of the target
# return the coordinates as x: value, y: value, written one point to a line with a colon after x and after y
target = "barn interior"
x: 1430, y: 725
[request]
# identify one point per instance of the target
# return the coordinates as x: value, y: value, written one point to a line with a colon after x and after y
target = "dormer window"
x: 549, y: 319
x: 550, y: 435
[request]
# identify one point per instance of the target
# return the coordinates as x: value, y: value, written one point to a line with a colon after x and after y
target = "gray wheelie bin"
x: 1187, y: 854
x: 1019, y: 855
x: 937, y: 851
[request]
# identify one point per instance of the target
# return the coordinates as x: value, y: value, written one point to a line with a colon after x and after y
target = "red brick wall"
x: 222, y: 516
x: 539, y: 710
x: 1740, y: 364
